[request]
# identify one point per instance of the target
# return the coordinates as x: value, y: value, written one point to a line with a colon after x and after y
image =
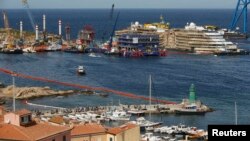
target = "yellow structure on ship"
x: 160, y: 25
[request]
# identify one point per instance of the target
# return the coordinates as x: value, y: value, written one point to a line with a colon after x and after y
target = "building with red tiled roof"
x: 88, y: 132
x: 96, y: 132
x: 36, y: 132
x: 19, y: 126
x: 126, y: 132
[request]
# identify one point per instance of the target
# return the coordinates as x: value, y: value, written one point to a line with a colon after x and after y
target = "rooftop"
x: 90, y: 128
x: 35, y: 132
x: 122, y: 128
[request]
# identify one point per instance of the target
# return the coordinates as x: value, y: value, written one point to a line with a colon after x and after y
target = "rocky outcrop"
x: 31, y: 92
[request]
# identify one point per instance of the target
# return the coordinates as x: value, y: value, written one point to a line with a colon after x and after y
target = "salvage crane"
x: 26, y: 6
x: 6, y: 21
x: 7, y: 30
x: 113, y: 31
x: 241, y: 8
x: 112, y: 12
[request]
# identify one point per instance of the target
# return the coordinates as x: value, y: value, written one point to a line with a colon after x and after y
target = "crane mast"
x: 241, y: 9
x: 26, y: 6
x: 7, y: 28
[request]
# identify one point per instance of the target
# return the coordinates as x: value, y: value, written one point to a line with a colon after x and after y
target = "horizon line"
x: 119, y: 8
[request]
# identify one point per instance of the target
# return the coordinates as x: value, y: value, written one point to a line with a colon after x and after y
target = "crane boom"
x: 111, y: 12
x: 6, y: 21
x: 113, y: 31
x: 26, y: 6
x: 241, y: 9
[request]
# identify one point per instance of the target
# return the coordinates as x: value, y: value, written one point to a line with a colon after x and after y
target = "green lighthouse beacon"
x: 192, y: 96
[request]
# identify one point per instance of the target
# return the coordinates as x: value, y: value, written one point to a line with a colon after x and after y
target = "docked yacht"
x: 118, y: 116
x: 150, y: 137
x: 143, y: 123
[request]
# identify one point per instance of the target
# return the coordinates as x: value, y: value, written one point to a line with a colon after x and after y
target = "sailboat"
x: 142, y: 122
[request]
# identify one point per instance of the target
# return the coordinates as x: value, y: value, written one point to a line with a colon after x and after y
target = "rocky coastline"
x: 32, y: 92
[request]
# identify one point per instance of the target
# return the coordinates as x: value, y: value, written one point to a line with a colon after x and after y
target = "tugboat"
x: 81, y: 70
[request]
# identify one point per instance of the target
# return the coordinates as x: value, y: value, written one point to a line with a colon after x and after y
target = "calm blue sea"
x: 219, y: 81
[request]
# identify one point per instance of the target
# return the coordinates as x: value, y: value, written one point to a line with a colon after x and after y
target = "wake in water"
x: 94, y: 55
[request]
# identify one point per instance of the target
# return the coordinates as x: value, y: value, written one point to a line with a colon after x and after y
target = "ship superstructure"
x: 198, y: 39
x: 141, y: 40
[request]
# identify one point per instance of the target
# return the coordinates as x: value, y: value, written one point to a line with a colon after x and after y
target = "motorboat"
x: 29, y: 50
x: 190, y: 109
x: 81, y: 70
x: 145, y: 124
x: 150, y: 137
x: 118, y: 116
x: 136, y: 112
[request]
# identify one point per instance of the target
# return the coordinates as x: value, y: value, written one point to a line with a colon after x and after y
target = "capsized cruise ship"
x: 141, y: 40
x: 198, y: 39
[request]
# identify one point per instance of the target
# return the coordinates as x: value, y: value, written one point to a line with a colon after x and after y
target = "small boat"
x: 101, y: 94
x: 118, y: 116
x: 143, y: 123
x: 150, y: 137
x: 12, y: 51
x: 191, y: 109
x: 149, y: 128
x: 136, y: 112
x: 29, y: 50
x: 81, y: 70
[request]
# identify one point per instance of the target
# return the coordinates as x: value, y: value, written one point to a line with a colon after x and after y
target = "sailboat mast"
x: 236, y: 113
x: 150, y: 95
x: 13, y: 93
x: 150, y: 91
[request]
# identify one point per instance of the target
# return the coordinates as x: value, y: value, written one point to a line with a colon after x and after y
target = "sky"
x: 61, y: 4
